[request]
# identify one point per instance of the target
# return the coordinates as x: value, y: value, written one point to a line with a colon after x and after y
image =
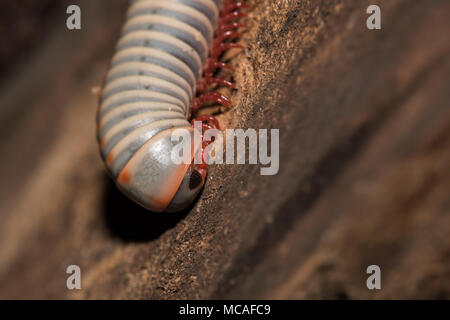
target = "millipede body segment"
x: 160, y: 75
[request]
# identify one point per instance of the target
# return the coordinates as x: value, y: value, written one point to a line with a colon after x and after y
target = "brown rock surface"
x: 364, y: 176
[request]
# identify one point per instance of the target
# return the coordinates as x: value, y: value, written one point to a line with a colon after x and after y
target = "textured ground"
x: 364, y: 177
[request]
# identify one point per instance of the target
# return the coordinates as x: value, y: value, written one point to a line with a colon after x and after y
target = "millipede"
x: 163, y: 71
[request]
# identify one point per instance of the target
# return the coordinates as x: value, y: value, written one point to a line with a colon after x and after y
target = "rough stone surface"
x: 364, y: 174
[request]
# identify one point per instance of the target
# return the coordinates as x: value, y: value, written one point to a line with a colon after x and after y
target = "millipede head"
x: 190, y: 187
x: 154, y: 180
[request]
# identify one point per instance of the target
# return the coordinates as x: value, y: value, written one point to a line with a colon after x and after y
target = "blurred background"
x: 364, y: 121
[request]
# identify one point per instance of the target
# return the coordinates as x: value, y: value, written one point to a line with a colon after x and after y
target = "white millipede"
x: 148, y: 92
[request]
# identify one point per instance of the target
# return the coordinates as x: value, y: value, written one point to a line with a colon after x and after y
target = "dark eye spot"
x: 195, y: 179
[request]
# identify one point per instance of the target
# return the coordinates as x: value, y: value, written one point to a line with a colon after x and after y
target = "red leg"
x: 212, y: 65
x: 210, y: 97
x: 207, y: 81
x: 232, y: 26
x: 205, y: 118
x: 208, y: 122
x: 233, y: 5
x: 225, y: 33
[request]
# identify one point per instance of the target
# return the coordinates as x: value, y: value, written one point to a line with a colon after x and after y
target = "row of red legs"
x: 225, y: 35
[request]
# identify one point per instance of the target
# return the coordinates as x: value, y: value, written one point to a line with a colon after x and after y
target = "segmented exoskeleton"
x: 159, y: 77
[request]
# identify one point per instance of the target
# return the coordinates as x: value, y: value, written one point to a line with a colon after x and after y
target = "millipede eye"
x: 195, y: 179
